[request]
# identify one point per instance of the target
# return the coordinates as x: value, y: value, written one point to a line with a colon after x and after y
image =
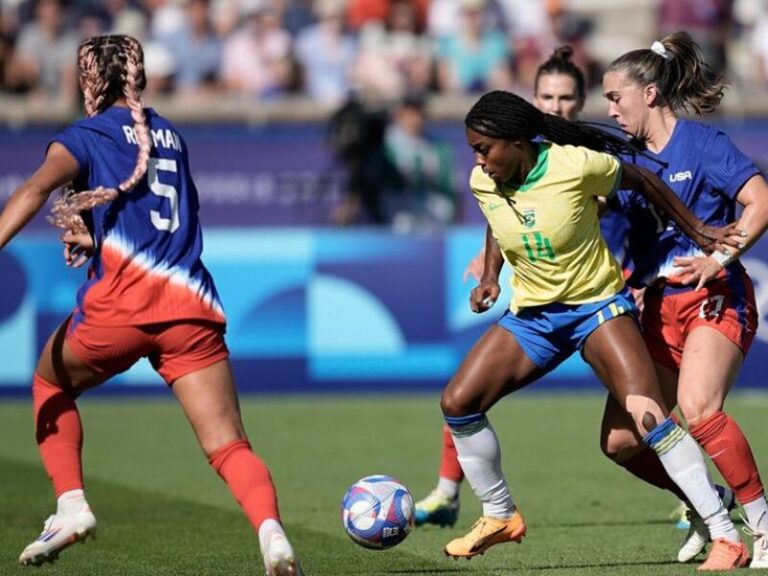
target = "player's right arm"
x: 484, y: 295
x: 58, y: 168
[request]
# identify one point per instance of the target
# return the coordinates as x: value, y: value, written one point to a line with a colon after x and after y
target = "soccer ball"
x: 377, y: 512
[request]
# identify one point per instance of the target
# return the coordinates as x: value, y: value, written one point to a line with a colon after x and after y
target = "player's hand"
x: 697, y: 269
x: 484, y: 296
x: 78, y: 248
x: 475, y: 268
x: 715, y: 238
x: 639, y: 295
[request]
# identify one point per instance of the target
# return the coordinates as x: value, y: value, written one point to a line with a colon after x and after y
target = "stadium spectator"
x: 196, y: 51
x: 700, y: 314
x: 147, y: 295
x: 326, y: 54
x: 363, y: 12
x: 568, y: 295
x: 395, y: 57
x: 257, y: 56
x: 477, y: 58
x: 41, y: 63
x: 356, y: 137
x: 419, y: 192
x: 709, y: 22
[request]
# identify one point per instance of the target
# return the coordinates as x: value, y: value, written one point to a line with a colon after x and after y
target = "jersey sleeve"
x: 601, y: 174
x: 726, y: 167
x: 72, y: 139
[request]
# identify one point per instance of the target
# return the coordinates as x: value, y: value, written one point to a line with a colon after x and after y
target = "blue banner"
x: 313, y: 310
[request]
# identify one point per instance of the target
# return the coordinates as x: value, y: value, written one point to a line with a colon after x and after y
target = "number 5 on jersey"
x: 154, y: 166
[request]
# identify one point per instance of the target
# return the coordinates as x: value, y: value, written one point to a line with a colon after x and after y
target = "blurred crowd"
x: 323, y: 49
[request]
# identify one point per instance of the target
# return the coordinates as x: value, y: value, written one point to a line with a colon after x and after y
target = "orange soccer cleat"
x: 726, y: 555
x: 487, y: 532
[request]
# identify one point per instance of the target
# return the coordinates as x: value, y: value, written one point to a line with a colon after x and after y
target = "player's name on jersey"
x: 161, y: 138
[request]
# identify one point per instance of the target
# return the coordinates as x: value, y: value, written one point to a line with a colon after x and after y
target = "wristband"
x: 723, y: 258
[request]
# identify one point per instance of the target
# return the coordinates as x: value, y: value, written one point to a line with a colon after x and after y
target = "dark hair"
x: 560, y: 63
x: 677, y: 68
x: 110, y: 67
x: 507, y: 116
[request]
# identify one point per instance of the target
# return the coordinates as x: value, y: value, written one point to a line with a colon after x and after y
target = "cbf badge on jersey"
x: 529, y: 218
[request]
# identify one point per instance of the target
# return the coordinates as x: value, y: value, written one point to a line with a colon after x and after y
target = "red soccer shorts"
x: 726, y: 305
x: 173, y: 348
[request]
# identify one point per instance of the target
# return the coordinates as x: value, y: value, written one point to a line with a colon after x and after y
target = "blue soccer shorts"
x: 550, y: 334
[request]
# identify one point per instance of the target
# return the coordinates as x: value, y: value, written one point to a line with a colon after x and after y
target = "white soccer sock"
x: 267, y: 529
x: 480, y: 458
x: 71, y: 502
x: 448, y: 487
x: 683, y: 461
x: 757, y: 514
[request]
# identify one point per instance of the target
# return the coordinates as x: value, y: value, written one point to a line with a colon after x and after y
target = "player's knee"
x: 453, y: 403
x: 697, y: 409
x: 620, y: 445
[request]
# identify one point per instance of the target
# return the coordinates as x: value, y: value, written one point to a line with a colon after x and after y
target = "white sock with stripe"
x: 682, y: 459
x: 480, y: 458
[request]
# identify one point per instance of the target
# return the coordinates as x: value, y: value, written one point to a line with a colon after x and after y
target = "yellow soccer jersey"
x: 548, y: 228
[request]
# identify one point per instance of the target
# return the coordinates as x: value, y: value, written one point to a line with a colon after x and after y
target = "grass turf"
x: 162, y: 510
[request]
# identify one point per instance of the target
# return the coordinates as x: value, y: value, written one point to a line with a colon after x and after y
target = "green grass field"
x: 163, y: 511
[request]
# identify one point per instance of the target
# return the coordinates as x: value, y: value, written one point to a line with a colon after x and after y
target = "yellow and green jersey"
x: 548, y: 227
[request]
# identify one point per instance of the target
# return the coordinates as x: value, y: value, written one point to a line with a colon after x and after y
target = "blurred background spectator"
x: 42, y: 63
x: 320, y: 49
x: 418, y: 191
x: 257, y: 58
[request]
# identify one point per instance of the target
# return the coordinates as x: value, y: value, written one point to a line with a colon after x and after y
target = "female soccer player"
x: 559, y: 89
x: 147, y: 295
x: 700, y: 315
x: 568, y: 294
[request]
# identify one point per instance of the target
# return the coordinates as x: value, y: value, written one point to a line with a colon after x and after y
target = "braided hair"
x: 507, y: 116
x: 110, y: 67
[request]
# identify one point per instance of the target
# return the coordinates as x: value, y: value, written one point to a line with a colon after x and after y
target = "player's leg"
x: 496, y: 366
x: 617, y: 354
x: 59, y: 378
x: 208, y: 397
x: 621, y: 443
x: 441, y: 506
x: 710, y: 365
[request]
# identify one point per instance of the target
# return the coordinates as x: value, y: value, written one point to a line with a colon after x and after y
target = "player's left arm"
x: 58, y: 168
x: 753, y: 196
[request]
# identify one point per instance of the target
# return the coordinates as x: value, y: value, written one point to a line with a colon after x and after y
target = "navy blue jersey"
x: 147, y: 266
x: 706, y: 171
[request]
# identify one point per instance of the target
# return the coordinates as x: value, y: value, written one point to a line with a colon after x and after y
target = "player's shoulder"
x: 698, y: 134
x: 479, y: 181
x: 575, y: 158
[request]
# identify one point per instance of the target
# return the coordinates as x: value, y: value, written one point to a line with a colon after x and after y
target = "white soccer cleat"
x: 59, y: 532
x: 698, y: 534
x: 279, y: 557
x: 759, y: 547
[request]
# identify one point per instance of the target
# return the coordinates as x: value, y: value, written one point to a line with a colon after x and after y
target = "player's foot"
x: 487, y: 532
x: 279, y: 557
x: 759, y: 547
x: 59, y: 532
x: 726, y: 555
x: 680, y: 516
x: 437, y: 508
x: 698, y: 533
